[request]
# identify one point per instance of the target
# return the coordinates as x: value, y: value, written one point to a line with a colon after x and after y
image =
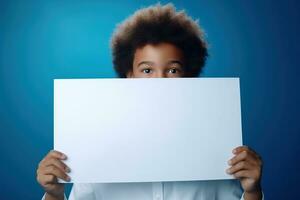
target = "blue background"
x: 256, y: 40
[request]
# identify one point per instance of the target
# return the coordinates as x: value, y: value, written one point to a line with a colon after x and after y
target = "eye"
x: 146, y: 71
x: 173, y: 70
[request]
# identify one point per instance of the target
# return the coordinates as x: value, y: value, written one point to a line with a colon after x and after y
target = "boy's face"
x: 163, y: 60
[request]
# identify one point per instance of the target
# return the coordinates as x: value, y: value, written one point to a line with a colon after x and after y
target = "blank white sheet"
x: 147, y: 129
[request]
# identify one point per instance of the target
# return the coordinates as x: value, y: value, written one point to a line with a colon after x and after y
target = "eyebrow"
x: 169, y: 62
x: 146, y: 62
x: 176, y: 62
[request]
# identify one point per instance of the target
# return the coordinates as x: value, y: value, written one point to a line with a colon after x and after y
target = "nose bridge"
x: 160, y: 74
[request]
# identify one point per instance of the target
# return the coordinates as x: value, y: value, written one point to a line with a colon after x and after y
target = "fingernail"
x: 63, y: 156
x: 67, y: 169
x: 228, y: 171
x: 229, y: 162
x: 234, y: 151
x: 68, y: 178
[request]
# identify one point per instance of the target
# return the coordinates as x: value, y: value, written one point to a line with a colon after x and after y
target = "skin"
x: 157, y: 61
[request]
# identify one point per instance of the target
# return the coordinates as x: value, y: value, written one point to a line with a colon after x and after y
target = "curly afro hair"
x: 154, y: 25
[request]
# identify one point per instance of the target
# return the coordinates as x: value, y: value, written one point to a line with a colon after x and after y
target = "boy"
x: 158, y: 42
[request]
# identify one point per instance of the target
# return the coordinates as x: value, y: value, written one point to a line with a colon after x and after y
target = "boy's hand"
x: 246, y: 165
x: 49, y: 169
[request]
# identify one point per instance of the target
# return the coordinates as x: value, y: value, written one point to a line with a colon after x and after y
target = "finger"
x: 57, y: 154
x: 243, y: 165
x: 252, y: 155
x: 238, y: 158
x: 53, y: 170
x: 245, y: 148
x: 244, y: 156
x: 59, y: 164
x: 240, y: 149
x: 52, y: 154
x: 47, y: 179
x: 242, y: 174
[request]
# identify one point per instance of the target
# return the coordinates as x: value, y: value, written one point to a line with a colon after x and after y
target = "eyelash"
x: 174, y: 69
x: 177, y: 70
x: 144, y: 70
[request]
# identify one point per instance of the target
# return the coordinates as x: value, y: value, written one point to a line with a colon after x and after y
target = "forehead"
x: 158, y: 52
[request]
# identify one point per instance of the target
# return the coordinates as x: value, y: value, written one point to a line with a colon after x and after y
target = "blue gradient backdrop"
x: 257, y: 41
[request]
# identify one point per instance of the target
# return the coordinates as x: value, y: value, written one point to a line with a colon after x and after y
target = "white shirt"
x: 184, y: 190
